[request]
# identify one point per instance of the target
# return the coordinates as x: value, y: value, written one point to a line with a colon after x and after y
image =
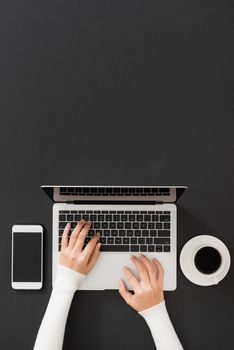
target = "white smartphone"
x: 27, y: 257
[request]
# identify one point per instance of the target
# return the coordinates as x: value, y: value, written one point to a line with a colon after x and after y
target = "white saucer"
x: 187, y: 260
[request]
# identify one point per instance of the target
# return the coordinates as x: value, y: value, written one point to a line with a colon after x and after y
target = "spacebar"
x: 114, y: 248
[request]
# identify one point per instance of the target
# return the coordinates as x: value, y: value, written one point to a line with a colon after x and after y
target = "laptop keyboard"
x: 123, y: 230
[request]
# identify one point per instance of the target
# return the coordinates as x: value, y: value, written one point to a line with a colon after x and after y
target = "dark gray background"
x: 117, y: 92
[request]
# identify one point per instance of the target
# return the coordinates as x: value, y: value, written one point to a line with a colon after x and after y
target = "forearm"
x: 162, y: 330
x: 51, y: 333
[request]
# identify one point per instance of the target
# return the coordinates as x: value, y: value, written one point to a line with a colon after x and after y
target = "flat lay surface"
x: 117, y: 93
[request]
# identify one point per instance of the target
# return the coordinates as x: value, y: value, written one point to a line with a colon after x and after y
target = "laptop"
x: 130, y: 220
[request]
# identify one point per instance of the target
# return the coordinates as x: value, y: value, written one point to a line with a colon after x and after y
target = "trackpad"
x: 108, y: 271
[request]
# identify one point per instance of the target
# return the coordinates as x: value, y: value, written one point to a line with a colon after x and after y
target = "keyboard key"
x: 143, y: 248
x: 153, y: 233
x: 147, y: 217
x: 62, y: 217
x: 128, y: 225
x: 73, y: 225
x: 100, y: 217
x: 167, y: 225
x: 91, y: 232
x: 62, y: 224
x: 145, y: 233
x: 124, y: 217
x: 165, y: 218
x: 102, y: 240
x: 143, y: 225
x: 133, y: 240
x: 120, y: 225
x: 118, y: 240
x: 135, y: 225
x: 125, y: 240
x: 164, y: 233
x: 162, y: 241
x: 129, y: 233
x: 149, y: 240
x: 131, y: 217
x: 158, y: 248
x: 122, y: 233
x: 158, y: 225
x: 97, y: 225
x: 77, y: 217
x: 154, y: 217
x: 110, y: 240
x: 134, y: 248
x: 151, y: 248
x: 112, y: 225
x: 93, y: 217
x: 116, y: 217
x: 87, y: 239
x: 139, y: 217
x: 69, y: 217
x: 106, y: 233
x: 104, y: 225
x: 114, y: 248
x: 137, y: 233
x: 114, y: 233
x: 108, y: 217
x: 141, y: 240
x: 151, y: 225
x: 167, y: 248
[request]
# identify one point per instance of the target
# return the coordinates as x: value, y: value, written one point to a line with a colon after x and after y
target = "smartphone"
x: 27, y: 257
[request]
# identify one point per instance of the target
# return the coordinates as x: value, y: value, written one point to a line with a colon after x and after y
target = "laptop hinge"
x: 114, y: 202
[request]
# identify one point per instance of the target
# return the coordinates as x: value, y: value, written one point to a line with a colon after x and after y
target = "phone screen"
x: 27, y: 256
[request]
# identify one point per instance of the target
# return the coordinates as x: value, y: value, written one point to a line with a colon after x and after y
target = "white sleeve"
x: 51, y: 332
x: 164, y: 335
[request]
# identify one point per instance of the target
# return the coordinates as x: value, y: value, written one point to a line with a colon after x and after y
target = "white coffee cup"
x: 188, y: 260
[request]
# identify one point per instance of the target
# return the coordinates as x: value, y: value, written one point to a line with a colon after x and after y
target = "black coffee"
x: 207, y: 260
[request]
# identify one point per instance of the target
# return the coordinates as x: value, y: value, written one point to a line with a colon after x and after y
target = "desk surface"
x: 117, y: 92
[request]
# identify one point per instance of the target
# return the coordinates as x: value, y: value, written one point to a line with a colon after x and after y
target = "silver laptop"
x: 130, y: 220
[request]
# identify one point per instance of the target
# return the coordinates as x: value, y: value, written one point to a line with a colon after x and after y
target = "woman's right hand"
x: 148, y: 290
x: 72, y: 253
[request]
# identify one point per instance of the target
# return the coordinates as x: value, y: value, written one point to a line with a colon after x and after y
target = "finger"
x: 76, y: 233
x: 125, y: 294
x: 65, y: 236
x: 160, y: 270
x: 87, y: 252
x: 151, y: 268
x: 141, y: 269
x: 131, y: 278
x: 82, y: 235
x: 94, y: 256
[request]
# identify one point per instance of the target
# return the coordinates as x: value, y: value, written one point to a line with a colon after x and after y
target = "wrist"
x: 67, y: 279
x: 158, y: 310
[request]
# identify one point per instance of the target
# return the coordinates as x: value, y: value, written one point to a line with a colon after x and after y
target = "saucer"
x: 187, y: 260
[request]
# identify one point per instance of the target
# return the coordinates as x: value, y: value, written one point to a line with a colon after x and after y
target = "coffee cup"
x: 205, y: 260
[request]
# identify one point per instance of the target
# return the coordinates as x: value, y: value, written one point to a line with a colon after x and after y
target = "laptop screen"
x: 163, y: 194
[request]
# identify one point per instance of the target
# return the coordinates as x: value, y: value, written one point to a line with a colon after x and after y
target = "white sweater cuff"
x: 67, y: 279
x: 162, y: 330
x: 154, y: 312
